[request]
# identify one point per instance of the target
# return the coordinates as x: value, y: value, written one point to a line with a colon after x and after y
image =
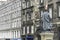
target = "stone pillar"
x: 47, y: 35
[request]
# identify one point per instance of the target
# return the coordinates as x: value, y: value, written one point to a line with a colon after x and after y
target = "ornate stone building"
x: 38, y: 9
x: 27, y: 15
x: 10, y: 19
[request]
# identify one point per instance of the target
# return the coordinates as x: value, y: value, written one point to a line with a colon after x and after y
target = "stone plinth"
x: 47, y: 35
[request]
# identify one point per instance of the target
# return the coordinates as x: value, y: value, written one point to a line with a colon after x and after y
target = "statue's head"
x: 46, y: 8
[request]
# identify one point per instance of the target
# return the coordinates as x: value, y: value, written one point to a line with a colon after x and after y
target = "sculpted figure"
x: 46, y: 21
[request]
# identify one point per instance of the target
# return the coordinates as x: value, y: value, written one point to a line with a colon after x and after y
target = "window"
x: 24, y: 5
x: 14, y: 24
x: 16, y: 33
x: 32, y: 29
x: 41, y: 1
x: 24, y: 18
x: 23, y: 30
x: 12, y: 7
x: 27, y: 29
x: 28, y: 4
x: 31, y: 3
x: 13, y: 34
x: 15, y: 14
x: 9, y: 16
x: 27, y: 16
x: 6, y: 17
x: 15, y: 5
x: 50, y: 12
x: 19, y: 35
x: 29, y: 13
x: 7, y: 8
x: 18, y: 13
x: 18, y: 4
x: 59, y: 11
x: 19, y: 23
x: 23, y: 12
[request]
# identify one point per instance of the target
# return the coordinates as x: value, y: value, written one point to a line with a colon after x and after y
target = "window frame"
x: 51, y: 6
x: 58, y: 4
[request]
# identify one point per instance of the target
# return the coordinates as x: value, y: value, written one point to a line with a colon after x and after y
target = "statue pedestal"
x: 47, y: 35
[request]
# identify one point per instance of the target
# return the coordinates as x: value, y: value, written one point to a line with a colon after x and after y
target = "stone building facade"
x: 38, y: 9
x: 10, y: 19
x: 27, y: 15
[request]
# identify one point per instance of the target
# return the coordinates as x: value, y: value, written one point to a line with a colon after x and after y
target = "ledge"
x: 47, y: 33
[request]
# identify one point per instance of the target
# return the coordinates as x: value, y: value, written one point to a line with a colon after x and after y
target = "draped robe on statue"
x: 46, y: 21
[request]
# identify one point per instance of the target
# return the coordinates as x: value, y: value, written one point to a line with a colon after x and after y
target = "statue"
x: 46, y: 21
